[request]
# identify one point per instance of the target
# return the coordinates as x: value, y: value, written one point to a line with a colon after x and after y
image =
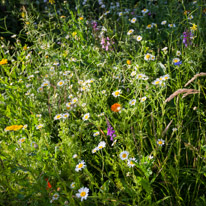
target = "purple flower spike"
x: 110, y: 130
x: 187, y: 36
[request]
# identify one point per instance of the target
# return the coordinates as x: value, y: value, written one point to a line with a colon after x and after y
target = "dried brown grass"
x: 181, y: 91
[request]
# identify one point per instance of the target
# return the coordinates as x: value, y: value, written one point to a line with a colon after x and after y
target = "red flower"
x: 48, y: 184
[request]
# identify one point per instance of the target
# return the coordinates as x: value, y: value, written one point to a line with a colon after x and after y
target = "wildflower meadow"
x: 103, y: 103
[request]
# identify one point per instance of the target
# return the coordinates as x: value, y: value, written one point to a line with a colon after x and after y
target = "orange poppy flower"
x: 116, y: 107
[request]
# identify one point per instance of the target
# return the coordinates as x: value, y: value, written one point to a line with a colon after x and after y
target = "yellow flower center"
x: 58, y: 116
x: 82, y: 194
x: 147, y: 57
x: 124, y: 155
x: 116, y: 93
x: 176, y: 60
x: 160, y: 142
x: 80, y: 165
x: 131, y: 163
x: 100, y: 147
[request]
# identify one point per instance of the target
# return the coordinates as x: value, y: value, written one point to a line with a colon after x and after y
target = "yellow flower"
x: 25, y: 47
x: 3, y: 61
x: 194, y: 27
x: 27, y: 23
x: 81, y: 18
x: 62, y: 17
x: 129, y: 62
x: 51, y: 1
x: 13, y: 128
x: 74, y: 33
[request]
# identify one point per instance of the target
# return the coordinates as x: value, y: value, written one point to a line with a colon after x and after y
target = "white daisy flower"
x: 95, y: 150
x: 152, y: 57
x: 55, y: 196
x: 45, y: 84
x: 80, y: 166
x: 115, y: 141
x: 84, y: 104
x: 103, y: 91
x: 178, y: 53
x: 20, y: 141
x: 133, y: 20
x: 139, y: 38
x: 101, y: 145
x: 72, y: 185
x: 175, y: 60
x: 149, y: 26
x: 60, y: 83
x: 130, y: 31
x: 163, y: 22
x: 157, y: 81
x: 116, y: 93
x: 74, y: 100
x: 174, y: 129
x: 83, y: 193
x: 144, y: 11
x: 150, y: 157
x: 147, y: 57
x: 190, y: 17
x: 74, y: 156
x: 133, y: 73
x: 96, y: 134
x: 39, y: 126
x: 165, y: 49
x: 143, y: 99
x: 58, y: 116
x: 65, y: 115
x: 165, y: 77
x: 171, y: 25
x: 132, y: 102
x: 124, y: 155
x: 120, y: 13
x: 86, y: 117
x: 40, y: 89
x: 131, y: 162
x: 160, y: 142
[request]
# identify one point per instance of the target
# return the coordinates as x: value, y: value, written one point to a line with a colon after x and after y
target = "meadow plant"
x: 86, y: 121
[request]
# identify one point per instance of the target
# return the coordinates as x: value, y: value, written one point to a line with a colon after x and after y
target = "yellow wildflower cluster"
x: 194, y: 27
x: 51, y: 1
x: 3, y: 61
x: 13, y: 128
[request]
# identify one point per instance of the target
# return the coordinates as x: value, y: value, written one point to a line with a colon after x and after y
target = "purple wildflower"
x: 94, y: 25
x: 106, y: 43
x: 187, y: 38
x: 110, y: 130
